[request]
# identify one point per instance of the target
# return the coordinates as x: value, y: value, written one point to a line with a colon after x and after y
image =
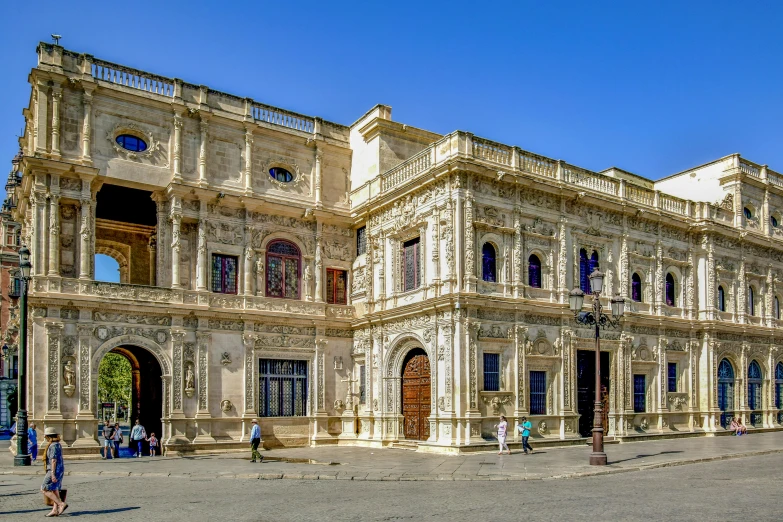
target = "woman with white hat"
x: 53, y: 464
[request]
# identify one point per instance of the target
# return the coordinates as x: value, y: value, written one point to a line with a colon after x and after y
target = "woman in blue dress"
x: 53, y: 464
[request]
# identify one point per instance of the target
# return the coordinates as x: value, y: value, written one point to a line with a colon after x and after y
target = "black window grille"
x: 672, y: 377
x: 492, y: 372
x: 639, y: 393
x: 282, y: 388
x: 410, y: 264
x: 725, y: 392
x: 754, y: 386
x: 361, y: 241
x: 538, y: 393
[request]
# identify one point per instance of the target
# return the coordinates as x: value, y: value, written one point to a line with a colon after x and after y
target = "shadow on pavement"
x: 103, y: 511
x: 644, y: 456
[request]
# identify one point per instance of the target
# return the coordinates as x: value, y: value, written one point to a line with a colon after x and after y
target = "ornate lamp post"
x: 596, y: 318
x: 22, y: 458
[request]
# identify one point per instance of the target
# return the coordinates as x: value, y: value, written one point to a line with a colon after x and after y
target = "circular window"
x: 747, y: 212
x: 280, y: 174
x: 132, y: 143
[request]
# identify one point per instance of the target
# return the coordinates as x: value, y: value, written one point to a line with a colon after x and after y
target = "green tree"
x: 114, y: 379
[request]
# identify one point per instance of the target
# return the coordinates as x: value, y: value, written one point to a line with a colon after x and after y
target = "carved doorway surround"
x: 416, y: 395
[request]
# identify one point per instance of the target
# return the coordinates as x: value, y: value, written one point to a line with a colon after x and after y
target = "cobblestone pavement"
x: 353, y: 463
x: 736, y: 489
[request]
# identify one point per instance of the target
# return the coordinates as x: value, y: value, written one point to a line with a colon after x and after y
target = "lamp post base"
x: 22, y: 460
x: 598, y: 459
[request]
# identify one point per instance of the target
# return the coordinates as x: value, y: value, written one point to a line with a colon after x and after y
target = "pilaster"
x: 57, y: 95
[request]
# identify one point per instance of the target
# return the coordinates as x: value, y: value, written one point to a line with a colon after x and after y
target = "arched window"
x: 725, y: 392
x: 534, y: 271
x: 779, y: 386
x: 776, y: 307
x: 107, y: 269
x: 488, y: 263
x: 586, y: 267
x: 636, y: 288
x: 751, y: 302
x: 747, y: 212
x: 283, y: 261
x: 670, y: 290
x: 721, y: 299
x: 754, y: 386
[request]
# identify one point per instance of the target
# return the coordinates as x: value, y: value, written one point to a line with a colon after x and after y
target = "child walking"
x: 153, y: 444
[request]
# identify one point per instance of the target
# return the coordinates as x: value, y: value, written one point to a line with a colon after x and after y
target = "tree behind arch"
x: 114, y: 379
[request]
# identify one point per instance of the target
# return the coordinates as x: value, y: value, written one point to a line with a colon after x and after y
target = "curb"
x: 363, y: 476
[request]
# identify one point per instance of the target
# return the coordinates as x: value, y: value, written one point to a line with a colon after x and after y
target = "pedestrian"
x: 255, y: 440
x: 741, y: 429
x: 53, y: 465
x: 153, y: 444
x: 108, y: 440
x: 502, y: 427
x: 138, y: 434
x: 734, y: 427
x: 117, y: 439
x: 524, y: 430
x: 32, y: 442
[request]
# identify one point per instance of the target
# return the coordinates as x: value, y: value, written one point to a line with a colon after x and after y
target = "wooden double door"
x: 416, y: 395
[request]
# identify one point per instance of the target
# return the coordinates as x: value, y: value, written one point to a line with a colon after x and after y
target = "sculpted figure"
x: 69, y: 374
x: 189, y: 378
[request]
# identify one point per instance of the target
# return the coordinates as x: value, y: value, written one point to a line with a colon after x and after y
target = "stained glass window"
x: 670, y: 290
x: 534, y: 271
x: 754, y: 386
x: 491, y: 372
x: 282, y: 388
x: 361, y: 241
x: 335, y: 286
x: 282, y: 270
x: 224, y: 274
x: 636, y: 288
x: 410, y: 264
x: 488, y: 263
x: 538, y: 393
x: 721, y: 299
x: 639, y: 393
x: 672, y: 377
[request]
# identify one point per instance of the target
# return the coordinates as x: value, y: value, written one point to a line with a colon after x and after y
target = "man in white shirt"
x: 255, y: 440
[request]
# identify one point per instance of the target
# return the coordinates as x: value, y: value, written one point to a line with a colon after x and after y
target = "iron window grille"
x: 283, y: 261
x: 224, y: 274
x: 537, y: 393
x: 672, y: 377
x: 754, y: 386
x: 725, y: 391
x: 361, y: 241
x: 282, y: 388
x: 779, y: 386
x: 491, y: 372
x: 410, y: 264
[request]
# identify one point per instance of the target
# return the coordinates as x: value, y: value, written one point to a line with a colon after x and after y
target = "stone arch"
x: 135, y: 340
x: 497, y: 243
x: 120, y: 252
x: 543, y: 258
x: 399, y: 349
x: 285, y: 236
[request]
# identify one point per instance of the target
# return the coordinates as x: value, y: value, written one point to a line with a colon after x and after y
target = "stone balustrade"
x: 121, y: 75
x: 283, y: 118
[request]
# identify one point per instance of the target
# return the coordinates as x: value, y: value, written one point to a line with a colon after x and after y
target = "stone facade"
x: 447, y: 227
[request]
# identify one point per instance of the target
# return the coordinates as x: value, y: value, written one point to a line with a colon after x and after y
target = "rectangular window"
x: 10, y: 237
x: 491, y: 372
x: 538, y: 393
x: 282, y: 388
x: 336, y: 286
x: 639, y: 393
x: 410, y: 264
x: 224, y: 274
x: 672, y: 377
x: 362, y: 385
x: 361, y: 241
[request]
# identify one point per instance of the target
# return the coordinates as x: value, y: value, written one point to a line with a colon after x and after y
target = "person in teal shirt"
x: 524, y: 430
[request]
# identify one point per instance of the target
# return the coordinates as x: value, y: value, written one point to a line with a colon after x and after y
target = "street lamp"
x: 22, y: 458
x: 600, y: 320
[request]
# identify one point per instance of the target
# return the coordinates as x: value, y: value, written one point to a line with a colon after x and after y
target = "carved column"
x: 160, y: 231
x: 562, y: 261
x: 260, y: 274
x: 85, y: 239
x: 710, y: 278
x: 318, y: 267
x: 659, y: 277
x: 320, y: 420
x: 177, y: 343
x: 769, y: 294
x: 176, y: 222
x: 520, y: 337
x: 624, y: 266
x: 54, y: 234
x: 152, y: 247
x: 86, y: 432
x: 382, y: 268
x: 57, y: 95
x: 517, y: 254
x: 87, y: 127
x: 177, y: 147
x: 202, y: 154
x: 318, y: 158
x: 53, y: 337
x: 436, y: 251
x: 248, y: 270
x: 423, y: 256
x: 470, y: 254
x: 251, y: 375
x: 41, y: 116
x: 742, y: 304
x: 203, y: 424
x: 201, y: 259
x: 248, y: 174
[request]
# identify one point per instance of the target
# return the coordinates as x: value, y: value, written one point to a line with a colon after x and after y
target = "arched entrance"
x: 146, y: 397
x: 416, y: 395
x: 726, y: 392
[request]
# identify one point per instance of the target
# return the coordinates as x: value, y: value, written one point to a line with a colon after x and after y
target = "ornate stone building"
x: 375, y: 283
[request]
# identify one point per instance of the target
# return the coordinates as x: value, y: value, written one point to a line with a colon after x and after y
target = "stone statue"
x: 69, y: 374
x: 189, y: 381
x: 349, y: 392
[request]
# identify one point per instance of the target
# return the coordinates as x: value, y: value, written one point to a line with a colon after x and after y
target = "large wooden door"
x: 416, y: 396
